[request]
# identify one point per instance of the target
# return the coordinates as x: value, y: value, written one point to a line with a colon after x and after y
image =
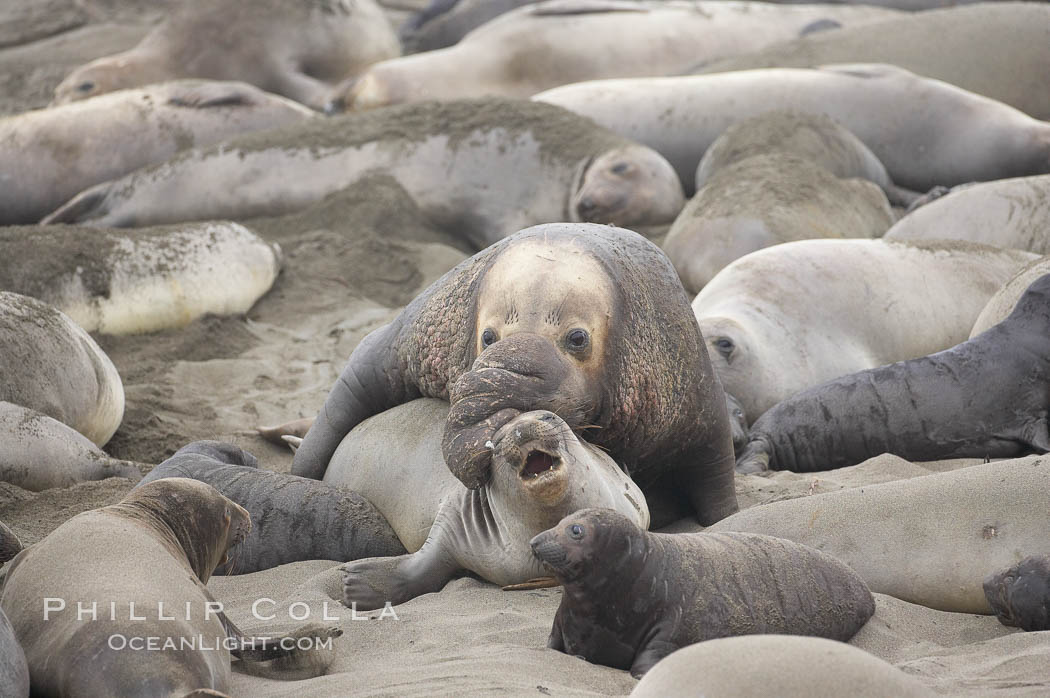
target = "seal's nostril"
x: 586, y: 205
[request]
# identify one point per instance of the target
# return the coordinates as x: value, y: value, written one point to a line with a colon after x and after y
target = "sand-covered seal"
x: 950, y: 137
x: 929, y: 540
x: 788, y: 665
x: 49, y: 155
x: 795, y: 315
x: 480, y: 168
x: 587, y: 321
x: 541, y: 472
x: 632, y: 598
x: 443, y: 23
x: 557, y: 42
x: 766, y: 200
x: 1020, y: 594
x: 128, y: 282
x: 296, y: 49
x: 984, y: 398
x: 150, y: 558
x: 1005, y: 299
x: 52, y: 366
x: 293, y: 518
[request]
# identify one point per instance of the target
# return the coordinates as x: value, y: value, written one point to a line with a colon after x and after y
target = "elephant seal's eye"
x: 620, y: 168
x: 575, y: 531
x: 577, y: 339
x: 488, y: 337
x: 725, y: 346
x: 86, y: 86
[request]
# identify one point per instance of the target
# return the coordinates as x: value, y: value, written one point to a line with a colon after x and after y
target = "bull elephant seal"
x: 543, y: 45
x: 797, y: 667
x: 541, y: 472
x: 766, y: 200
x: 443, y: 23
x: 929, y: 540
x: 151, y: 556
x: 296, y: 49
x: 772, y: 332
x: 587, y: 321
x: 1008, y: 213
x: 1005, y: 299
x: 952, y: 136
x: 1020, y: 594
x: 550, y: 165
x: 294, y: 518
x: 632, y: 597
x: 54, y: 367
x: 127, y: 282
x: 49, y: 155
x: 984, y: 398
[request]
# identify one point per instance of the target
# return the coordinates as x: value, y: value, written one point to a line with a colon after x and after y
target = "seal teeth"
x: 537, y: 462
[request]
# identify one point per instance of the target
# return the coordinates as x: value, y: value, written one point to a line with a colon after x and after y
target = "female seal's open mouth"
x: 538, y: 462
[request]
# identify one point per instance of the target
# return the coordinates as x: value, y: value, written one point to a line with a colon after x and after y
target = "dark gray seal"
x: 294, y: 518
x: 443, y: 23
x: 1020, y: 595
x: 632, y: 597
x: 984, y: 398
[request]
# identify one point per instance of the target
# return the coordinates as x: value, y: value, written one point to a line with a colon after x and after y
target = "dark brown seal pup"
x: 587, y: 321
x: 1020, y: 595
x: 632, y: 597
x: 984, y: 398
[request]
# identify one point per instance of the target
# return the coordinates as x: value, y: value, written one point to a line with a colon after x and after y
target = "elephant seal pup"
x: 798, y: 667
x: 54, y: 367
x: 1005, y: 299
x: 49, y: 155
x: 928, y: 540
x: 984, y: 398
x: 1008, y: 213
x: 1020, y: 595
x: 543, y: 45
x: 632, y: 597
x: 682, y: 116
x: 540, y: 472
x: 128, y: 282
x: 550, y: 165
x: 294, y: 518
x: 151, y: 556
x: 766, y: 200
x: 772, y: 332
x: 296, y: 49
x: 443, y: 23
x: 38, y: 453
x: 587, y: 321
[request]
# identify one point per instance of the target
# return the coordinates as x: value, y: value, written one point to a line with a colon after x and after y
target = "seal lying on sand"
x: 126, y: 282
x: 587, y: 321
x: 1020, y: 595
x: 151, y: 556
x: 296, y: 49
x: 632, y: 598
x: 443, y: 23
x: 984, y: 398
x: 294, y: 518
x: 49, y: 155
x: 52, y: 366
x: 540, y: 472
x: 482, y: 169
x: 1004, y: 301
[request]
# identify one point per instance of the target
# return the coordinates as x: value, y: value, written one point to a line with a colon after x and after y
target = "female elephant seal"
x: 795, y: 315
x: 1020, y: 594
x: 144, y: 582
x: 50, y: 365
x: 296, y: 49
x: 541, y: 472
x: 1005, y: 299
x: 550, y: 165
x: 587, y: 321
x: 49, y: 155
x: 127, y: 282
x: 632, y: 597
x: 294, y: 518
x: 984, y: 398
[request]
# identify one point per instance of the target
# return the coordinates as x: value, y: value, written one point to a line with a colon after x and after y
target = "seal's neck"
x: 175, y: 538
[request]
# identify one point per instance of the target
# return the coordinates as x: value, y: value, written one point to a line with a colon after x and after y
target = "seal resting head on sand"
x: 1020, y: 595
x: 632, y: 597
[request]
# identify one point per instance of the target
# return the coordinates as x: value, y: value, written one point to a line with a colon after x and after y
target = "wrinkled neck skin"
x: 198, y: 555
x: 579, y: 176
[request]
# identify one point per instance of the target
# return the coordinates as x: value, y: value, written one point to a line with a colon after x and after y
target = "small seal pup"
x: 49, y: 155
x: 984, y: 398
x: 540, y: 473
x: 296, y: 49
x: 294, y: 518
x: 151, y: 556
x: 51, y: 365
x: 632, y: 597
x: 1020, y: 594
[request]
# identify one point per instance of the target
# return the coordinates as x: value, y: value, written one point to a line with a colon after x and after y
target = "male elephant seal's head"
x: 631, y: 185
x: 1020, y: 595
x: 591, y: 545
x: 202, y: 522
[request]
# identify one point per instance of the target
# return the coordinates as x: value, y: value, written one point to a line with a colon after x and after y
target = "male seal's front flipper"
x: 373, y: 583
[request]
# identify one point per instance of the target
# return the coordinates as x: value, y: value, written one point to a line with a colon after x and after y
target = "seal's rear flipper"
x: 304, y: 653
x: 294, y: 442
x: 537, y: 583
x: 296, y: 427
x: 85, y: 206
